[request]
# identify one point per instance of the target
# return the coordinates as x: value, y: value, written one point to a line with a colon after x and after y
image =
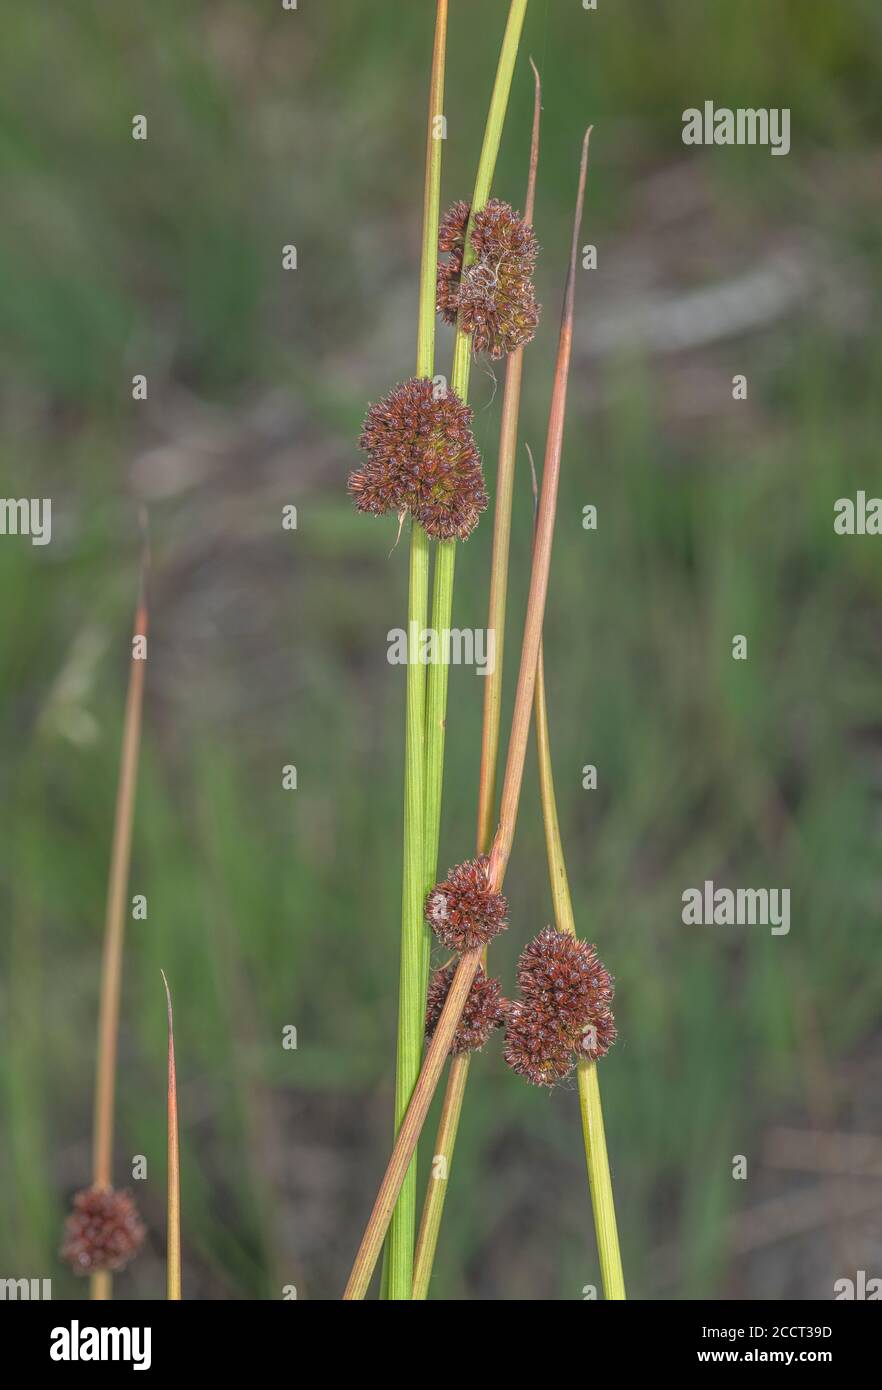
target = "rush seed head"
x: 422, y: 458
x: 563, y: 976
x: 103, y: 1231
x: 533, y: 1047
x: 462, y: 911
x: 493, y: 298
x: 451, y: 242
x: 484, y: 1009
x: 563, y: 1013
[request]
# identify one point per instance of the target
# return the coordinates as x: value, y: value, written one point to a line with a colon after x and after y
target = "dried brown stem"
x: 114, y: 927
x: 411, y: 1126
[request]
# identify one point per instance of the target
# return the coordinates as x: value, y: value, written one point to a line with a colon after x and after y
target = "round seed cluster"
x: 421, y: 458
x: 493, y: 297
x: 563, y: 1012
x: 484, y: 1009
x: 462, y: 911
x: 104, y: 1231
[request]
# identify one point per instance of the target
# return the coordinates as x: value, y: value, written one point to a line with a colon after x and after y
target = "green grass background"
x: 269, y: 908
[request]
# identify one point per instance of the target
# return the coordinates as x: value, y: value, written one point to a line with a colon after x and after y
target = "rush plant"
x: 468, y: 907
x: 422, y: 462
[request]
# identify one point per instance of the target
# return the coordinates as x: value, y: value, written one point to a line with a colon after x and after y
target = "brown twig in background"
x: 114, y: 928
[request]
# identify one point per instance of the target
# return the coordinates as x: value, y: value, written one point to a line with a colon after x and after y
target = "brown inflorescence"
x: 422, y: 458
x: 533, y: 1047
x: 484, y: 1009
x: 564, y: 975
x: 493, y: 297
x: 563, y: 1013
x: 103, y: 1232
x: 463, y: 911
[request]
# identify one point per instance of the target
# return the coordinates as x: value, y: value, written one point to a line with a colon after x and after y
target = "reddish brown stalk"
x: 458, y: 1074
x: 520, y: 724
x: 433, y: 1064
x: 511, y: 404
x: 114, y: 927
x: 411, y: 1126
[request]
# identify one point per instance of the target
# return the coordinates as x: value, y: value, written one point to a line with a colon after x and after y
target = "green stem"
x: 600, y: 1183
x: 398, y: 1275
x: 436, y: 707
x: 415, y: 936
x: 596, y: 1157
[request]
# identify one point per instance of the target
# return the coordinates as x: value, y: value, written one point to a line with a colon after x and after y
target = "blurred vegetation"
x: 269, y: 908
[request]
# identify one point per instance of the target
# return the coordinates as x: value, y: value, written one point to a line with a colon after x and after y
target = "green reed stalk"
x: 596, y: 1157
x: 414, y: 931
x: 458, y: 1074
x: 173, y: 1172
x: 415, y: 934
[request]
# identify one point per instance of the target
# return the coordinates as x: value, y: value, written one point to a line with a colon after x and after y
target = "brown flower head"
x: 422, y: 457
x: 462, y: 911
x: 493, y: 297
x: 103, y: 1231
x: 563, y: 976
x: 533, y: 1047
x: 484, y: 1009
x: 563, y: 1013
